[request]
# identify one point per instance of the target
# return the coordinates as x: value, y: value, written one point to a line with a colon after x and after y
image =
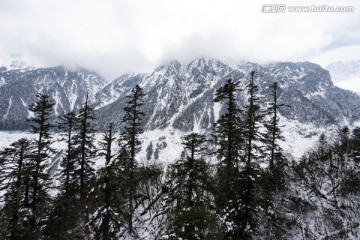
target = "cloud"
x: 117, y: 36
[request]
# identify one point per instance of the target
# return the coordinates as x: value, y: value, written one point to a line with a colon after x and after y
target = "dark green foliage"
x: 192, y: 222
x: 355, y: 144
x: 274, y: 176
x: 39, y: 181
x: 63, y: 215
x: 130, y: 144
x: 85, y: 149
x: 14, y: 177
x: 106, y: 220
x: 351, y: 180
x: 330, y: 178
x: 190, y: 193
x: 227, y: 136
x: 67, y: 124
x: 63, y: 218
x: 248, y: 202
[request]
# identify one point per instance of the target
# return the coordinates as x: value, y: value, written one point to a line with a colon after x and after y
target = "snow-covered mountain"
x: 67, y: 87
x: 179, y: 98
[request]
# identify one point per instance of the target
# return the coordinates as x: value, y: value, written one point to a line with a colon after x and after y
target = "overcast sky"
x: 117, y: 36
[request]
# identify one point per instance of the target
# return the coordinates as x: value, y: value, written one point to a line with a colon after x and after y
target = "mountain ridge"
x: 179, y: 97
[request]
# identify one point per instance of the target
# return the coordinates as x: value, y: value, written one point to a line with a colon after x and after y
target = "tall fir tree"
x: 106, y: 220
x: 63, y: 214
x: 131, y: 144
x: 190, y: 192
x: 67, y: 124
x: 40, y: 125
x: 355, y: 144
x: 84, y: 140
x: 273, y: 177
x: 85, y: 150
x: 228, y: 135
x: 249, y: 183
x: 15, y: 172
x: 272, y: 138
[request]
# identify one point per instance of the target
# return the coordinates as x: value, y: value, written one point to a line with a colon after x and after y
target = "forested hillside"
x: 232, y: 182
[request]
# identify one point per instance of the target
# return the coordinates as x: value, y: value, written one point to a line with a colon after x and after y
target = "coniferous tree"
x: 248, y: 199
x: 131, y: 145
x: 40, y: 124
x: 275, y: 174
x: 273, y: 178
x: 190, y: 188
x: 67, y: 124
x: 14, y: 175
x: 343, y: 144
x: 355, y: 144
x: 228, y: 135
x: 106, y: 220
x: 84, y: 139
x: 273, y: 133
x: 85, y: 148
x: 63, y: 214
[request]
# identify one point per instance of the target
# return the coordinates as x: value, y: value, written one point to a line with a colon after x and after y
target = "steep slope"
x: 66, y: 87
x: 179, y: 100
x: 180, y: 96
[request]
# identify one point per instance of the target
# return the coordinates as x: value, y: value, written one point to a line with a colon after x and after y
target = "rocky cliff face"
x: 180, y: 98
x: 66, y: 87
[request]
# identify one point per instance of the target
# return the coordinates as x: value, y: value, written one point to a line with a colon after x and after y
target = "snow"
x: 319, y: 93
x: 30, y: 113
x: 73, y: 95
x: 6, y: 137
x: 173, y: 149
x: 2, y: 81
x: 217, y: 109
x: 58, y: 102
x: 299, y: 137
x: 8, y: 109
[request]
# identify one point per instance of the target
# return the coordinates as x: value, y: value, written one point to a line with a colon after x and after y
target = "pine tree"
x: 84, y: 140
x: 355, y: 144
x: 190, y: 190
x: 249, y: 183
x: 106, y: 220
x: 15, y: 172
x: 273, y: 133
x: 228, y: 135
x: 273, y: 178
x: 343, y: 145
x: 131, y: 144
x: 67, y: 124
x: 63, y: 214
x: 40, y: 124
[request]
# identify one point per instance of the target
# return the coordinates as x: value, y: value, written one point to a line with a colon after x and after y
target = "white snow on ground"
x: 168, y: 154
x: 299, y: 138
x: 8, y: 109
x: 6, y: 138
x: 30, y: 113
